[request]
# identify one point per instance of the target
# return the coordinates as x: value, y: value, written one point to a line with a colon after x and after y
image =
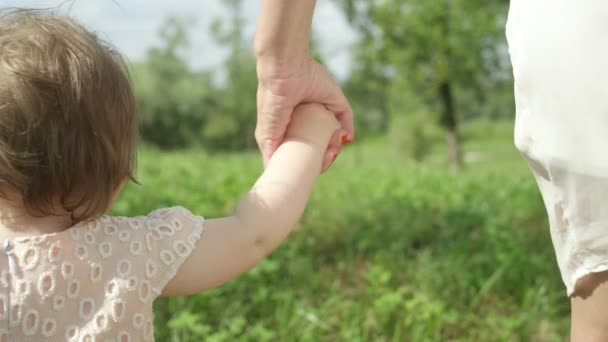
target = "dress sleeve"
x: 168, y: 237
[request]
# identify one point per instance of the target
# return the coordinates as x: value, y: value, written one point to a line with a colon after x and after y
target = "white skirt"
x: 559, y: 52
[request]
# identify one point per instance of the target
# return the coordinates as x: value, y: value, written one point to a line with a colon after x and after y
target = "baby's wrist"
x: 317, y: 137
x: 317, y: 143
x: 312, y: 123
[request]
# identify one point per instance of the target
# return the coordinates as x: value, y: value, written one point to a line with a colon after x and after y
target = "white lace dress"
x: 559, y: 52
x: 95, y: 281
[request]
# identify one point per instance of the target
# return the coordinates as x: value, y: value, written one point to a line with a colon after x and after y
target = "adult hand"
x: 282, y: 87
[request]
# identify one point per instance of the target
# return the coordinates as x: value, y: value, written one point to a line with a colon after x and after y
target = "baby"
x: 68, y: 133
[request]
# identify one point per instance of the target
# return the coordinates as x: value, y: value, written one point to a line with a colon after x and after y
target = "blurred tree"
x: 434, y: 50
x: 170, y: 95
x: 232, y: 125
x: 181, y: 107
x: 368, y: 93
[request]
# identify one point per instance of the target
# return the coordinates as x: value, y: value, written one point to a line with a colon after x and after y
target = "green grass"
x: 388, y: 250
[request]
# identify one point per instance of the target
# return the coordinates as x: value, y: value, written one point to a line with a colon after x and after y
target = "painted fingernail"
x: 345, y: 139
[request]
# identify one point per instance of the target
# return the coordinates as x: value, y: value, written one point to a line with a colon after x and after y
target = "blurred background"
x: 428, y: 228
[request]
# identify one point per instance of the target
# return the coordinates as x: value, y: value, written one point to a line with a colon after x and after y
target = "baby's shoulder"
x: 160, y: 223
x: 164, y: 221
x: 150, y: 247
x: 173, y: 229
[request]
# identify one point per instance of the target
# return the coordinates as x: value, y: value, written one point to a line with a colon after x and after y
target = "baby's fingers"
x: 333, y: 149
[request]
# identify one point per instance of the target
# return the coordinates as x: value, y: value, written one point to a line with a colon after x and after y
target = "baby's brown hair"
x: 68, y: 125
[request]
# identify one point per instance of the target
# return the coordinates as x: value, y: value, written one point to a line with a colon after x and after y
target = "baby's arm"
x: 265, y: 216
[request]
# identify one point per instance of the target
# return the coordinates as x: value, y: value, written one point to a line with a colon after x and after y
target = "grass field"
x: 388, y: 250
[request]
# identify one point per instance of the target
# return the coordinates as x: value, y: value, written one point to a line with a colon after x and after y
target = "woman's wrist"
x: 278, y: 48
x: 280, y: 66
x: 283, y: 33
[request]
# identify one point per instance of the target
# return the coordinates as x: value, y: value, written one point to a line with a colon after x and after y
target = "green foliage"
x: 182, y: 107
x: 232, y: 125
x: 414, y: 135
x: 486, y: 129
x: 405, y: 51
x: 417, y: 47
x: 387, y: 251
x: 170, y: 96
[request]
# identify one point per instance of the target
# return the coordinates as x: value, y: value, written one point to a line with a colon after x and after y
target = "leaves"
x: 182, y: 107
x: 409, y: 48
x: 388, y: 250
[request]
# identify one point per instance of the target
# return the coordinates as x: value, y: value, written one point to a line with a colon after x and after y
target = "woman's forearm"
x: 283, y: 32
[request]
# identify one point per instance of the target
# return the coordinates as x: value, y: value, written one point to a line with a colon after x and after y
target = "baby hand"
x: 312, y: 123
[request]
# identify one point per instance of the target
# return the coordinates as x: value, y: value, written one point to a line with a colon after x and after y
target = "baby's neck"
x: 15, y: 221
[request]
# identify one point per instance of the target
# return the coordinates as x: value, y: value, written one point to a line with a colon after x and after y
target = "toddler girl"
x: 68, y: 130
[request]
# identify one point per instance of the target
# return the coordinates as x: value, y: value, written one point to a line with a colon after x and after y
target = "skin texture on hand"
x: 277, y: 97
x: 288, y: 77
